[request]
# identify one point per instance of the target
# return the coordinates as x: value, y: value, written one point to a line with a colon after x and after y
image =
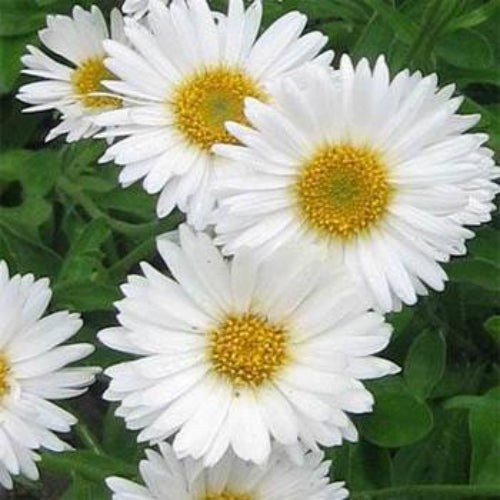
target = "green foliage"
x: 484, y: 428
x: 435, y: 430
x: 425, y: 363
x: 90, y: 465
x: 399, y: 418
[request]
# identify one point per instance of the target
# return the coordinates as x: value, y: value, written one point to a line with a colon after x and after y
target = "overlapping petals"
x: 441, y: 178
x: 36, y: 372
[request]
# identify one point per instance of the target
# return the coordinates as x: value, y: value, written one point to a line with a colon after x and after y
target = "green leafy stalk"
x: 74, y: 192
x: 88, y: 439
x: 431, y: 490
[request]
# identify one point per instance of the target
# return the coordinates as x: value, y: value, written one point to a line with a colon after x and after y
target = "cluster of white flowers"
x: 329, y: 195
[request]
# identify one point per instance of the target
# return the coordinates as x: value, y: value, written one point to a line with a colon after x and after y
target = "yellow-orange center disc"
x: 343, y: 191
x: 205, y: 101
x: 247, y: 349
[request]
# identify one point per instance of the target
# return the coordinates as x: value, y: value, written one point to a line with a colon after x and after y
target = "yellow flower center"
x: 4, y: 372
x: 343, y: 191
x: 204, y: 102
x: 87, y: 79
x: 248, y: 349
x: 227, y: 495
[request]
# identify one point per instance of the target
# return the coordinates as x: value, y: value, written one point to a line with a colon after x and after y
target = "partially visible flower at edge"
x: 33, y: 371
x: 74, y: 90
x: 168, y: 478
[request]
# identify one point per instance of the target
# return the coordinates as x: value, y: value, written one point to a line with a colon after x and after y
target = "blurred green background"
x: 435, y: 432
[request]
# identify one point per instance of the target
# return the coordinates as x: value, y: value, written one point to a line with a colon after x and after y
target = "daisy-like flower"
x: 377, y: 174
x: 136, y: 8
x: 186, y: 76
x: 270, y: 350
x: 32, y: 372
x: 74, y: 89
x: 168, y: 478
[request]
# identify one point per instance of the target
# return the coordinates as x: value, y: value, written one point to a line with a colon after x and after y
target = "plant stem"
x: 88, y: 438
x: 431, y: 490
x: 433, y: 318
x: 138, y: 253
x: 93, y: 467
x: 74, y: 192
x: 435, y: 19
x: 144, y: 249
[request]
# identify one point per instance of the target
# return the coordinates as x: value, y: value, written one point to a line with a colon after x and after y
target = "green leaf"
x: 434, y: 19
x: 351, y: 10
x: 464, y: 77
x: 459, y: 379
x: 71, y: 225
x: 26, y: 254
x: 117, y: 440
x: 484, y: 425
x: 85, y: 296
x: 339, y: 457
x: 82, y: 489
x: 403, y: 26
x: 65, y: 6
x: 425, y: 363
x: 11, y: 50
x: 442, y: 457
x: 30, y: 215
x: 18, y: 129
x: 37, y: 172
x: 314, y: 10
x: 466, y: 49
x: 474, y: 271
x: 81, y: 158
x: 467, y: 402
x: 363, y: 475
x: 401, y: 320
x: 86, y: 464
x: 132, y: 203
x: 90, y: 238
x: 492, y: 326
x: 339, y: 33
x: 398, y: 419
x: 475, y: 17
x: 374, y: 35
x: 93, y: 184
x: 45, y: 3
x: 83, y: 261
x: 19, y: 17
x: 486, y: 246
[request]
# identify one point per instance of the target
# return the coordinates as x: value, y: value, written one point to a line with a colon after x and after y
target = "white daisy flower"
x: 187, y: 75
x: 32, y: 372
x: 378, y: 174
x: 244, y: 353
x: 70, y: 88
x: 168, y: 478
x: 137, y: 8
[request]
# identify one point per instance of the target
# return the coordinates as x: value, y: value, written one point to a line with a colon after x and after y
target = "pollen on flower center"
x: 248, y: 349
x: 343, y: 190
x: 227, y: 495
x: 206, y: 100
x: 4, y: 372
x: 87, y: 79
